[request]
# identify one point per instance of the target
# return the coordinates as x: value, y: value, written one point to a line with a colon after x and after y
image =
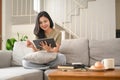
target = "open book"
x: 48, y: 40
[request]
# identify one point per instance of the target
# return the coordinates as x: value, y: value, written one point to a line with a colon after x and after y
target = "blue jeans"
x: 60, y: 60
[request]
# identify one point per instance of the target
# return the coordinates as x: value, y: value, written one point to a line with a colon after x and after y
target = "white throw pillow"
x: 19, y: 51
x: 40, y: 57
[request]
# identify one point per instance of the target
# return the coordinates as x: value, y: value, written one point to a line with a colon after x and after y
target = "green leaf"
x: 18, y: 36
x: 13, y: 40
x: 24, y: 38
x: 10, y: 43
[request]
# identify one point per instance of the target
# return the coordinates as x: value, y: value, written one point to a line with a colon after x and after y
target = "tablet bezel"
x: 48, y: 40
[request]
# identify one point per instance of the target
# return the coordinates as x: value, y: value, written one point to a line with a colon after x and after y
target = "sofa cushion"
x: 19, y: 73
x: 105, y: 49
x: 75, y: 50
x: 19, y: 51
x: 5, y: 58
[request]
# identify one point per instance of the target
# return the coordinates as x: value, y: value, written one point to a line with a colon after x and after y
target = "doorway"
x: 0, y: 24
x: 117, y: 3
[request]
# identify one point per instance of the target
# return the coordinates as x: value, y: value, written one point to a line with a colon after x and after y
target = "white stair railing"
x: 71, y: 25
x: 23, y: 9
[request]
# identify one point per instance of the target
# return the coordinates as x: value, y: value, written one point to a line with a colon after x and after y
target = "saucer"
x: 103, y: 69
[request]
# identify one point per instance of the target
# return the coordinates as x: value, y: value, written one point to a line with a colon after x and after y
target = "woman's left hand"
x: 45, y: 46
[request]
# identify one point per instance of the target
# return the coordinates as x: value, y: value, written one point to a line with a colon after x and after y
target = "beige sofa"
x: 76, y: 50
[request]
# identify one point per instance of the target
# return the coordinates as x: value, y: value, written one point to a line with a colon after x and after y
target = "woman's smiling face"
x: 44, y: 23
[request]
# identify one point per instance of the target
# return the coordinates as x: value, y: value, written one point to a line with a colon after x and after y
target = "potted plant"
x: 10, y: 42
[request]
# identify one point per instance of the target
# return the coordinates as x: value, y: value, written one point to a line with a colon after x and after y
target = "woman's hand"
x: 56, y: 49
x: 48, y: 48
x: 45, y: 46
x: 31, y: 45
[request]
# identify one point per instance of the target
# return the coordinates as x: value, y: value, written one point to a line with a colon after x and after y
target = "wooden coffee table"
x: 86, y: 75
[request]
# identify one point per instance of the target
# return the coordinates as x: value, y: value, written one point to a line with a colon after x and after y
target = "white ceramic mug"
x: 109, y: 63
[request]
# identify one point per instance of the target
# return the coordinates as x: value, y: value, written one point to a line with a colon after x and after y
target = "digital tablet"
x: 48, y: 40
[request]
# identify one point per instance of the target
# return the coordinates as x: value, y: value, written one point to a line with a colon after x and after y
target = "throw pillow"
x: 19, y: 51
x: 40, y: 57
x: 75, y: 50
x: 101, y: 49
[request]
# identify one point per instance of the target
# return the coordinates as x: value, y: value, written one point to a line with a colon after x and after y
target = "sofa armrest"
x: 5, y: 58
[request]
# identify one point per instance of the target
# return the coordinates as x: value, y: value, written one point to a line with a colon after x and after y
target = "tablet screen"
x: 48, y: 40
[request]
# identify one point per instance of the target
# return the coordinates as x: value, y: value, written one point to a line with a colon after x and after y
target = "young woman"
x: 44, y: 29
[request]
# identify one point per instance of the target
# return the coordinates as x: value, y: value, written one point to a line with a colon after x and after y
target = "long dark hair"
x: 39, y: 33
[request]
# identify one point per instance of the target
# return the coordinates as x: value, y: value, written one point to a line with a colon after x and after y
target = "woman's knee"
x: 61, y: 57
x: 28, y: 64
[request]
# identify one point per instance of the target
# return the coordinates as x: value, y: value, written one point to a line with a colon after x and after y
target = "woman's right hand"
x: 30, y: 44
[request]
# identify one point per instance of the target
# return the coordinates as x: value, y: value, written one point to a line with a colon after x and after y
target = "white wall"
x: 23, y: 30
x: 6, y: 21
x: 56, y: 9
x: 98, y: 21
